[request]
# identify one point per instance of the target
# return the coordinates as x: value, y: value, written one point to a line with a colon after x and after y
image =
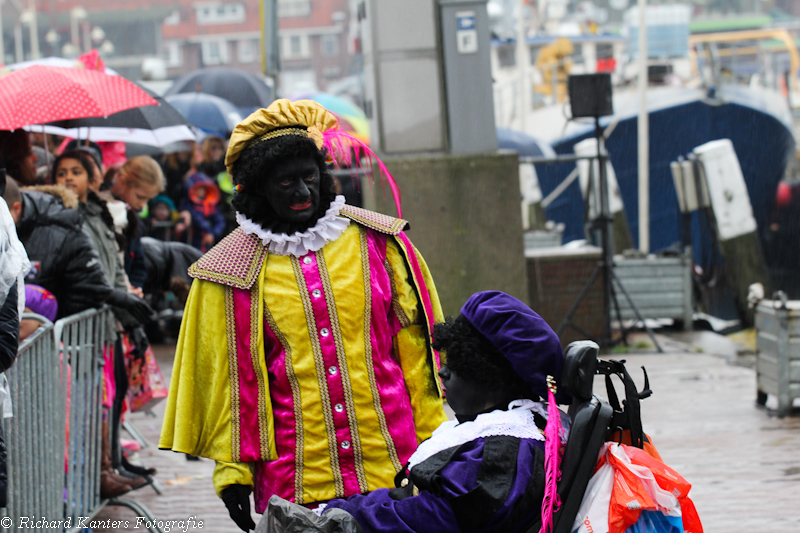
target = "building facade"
x: 152, y: 39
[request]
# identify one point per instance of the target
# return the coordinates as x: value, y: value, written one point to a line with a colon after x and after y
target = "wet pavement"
x: 743, y: 463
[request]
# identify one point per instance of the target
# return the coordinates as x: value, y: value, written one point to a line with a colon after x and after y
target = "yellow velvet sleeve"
x: 411, y: 343
x: 231, y: 474
x: 197, y: 419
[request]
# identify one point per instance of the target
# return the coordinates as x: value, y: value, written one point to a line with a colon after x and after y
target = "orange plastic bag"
x: 627, y: 481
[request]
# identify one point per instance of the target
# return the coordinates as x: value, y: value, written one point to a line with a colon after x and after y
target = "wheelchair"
x: 594, y: 421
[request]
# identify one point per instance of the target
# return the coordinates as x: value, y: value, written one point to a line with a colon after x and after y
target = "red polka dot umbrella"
x: 40, y: 94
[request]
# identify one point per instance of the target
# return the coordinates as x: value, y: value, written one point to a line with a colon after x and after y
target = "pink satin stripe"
x: 389, y: 379
x: 420, y: 279
x: 335, y: 387
x: 262, y: 489
x: 281, y: 471
x: 250, y: 448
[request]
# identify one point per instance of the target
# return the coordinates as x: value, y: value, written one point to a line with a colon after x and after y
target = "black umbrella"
x: 156, y: 125
x: 243, y: 89
x: 150, y: 117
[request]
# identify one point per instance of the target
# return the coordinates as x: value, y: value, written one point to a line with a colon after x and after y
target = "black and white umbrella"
x: 158, y: 125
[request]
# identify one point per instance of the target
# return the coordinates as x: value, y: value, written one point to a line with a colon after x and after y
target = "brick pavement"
x: 187, y: 486
x: 743, y: 463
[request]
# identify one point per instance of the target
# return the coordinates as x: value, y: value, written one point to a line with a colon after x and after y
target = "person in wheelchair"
x: 483, y: 471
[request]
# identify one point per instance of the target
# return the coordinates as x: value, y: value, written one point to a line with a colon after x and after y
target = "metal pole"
x: 644, y: 135
x: 605, y: 220
x: 523, y: 62
x: 87, y: 38
x: 73, y: 30
x: 2, y: 45
x: 34, y: 28
x: 270, y: 41
x: 18, y: 51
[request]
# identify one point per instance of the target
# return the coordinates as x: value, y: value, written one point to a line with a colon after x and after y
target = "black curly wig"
x: 252, y: 169
x: 470, y: 355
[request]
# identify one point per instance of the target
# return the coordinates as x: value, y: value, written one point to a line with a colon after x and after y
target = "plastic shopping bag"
x: 146, y: 385
x: 669, y: 480
x: 635, y: 489
x: 655, y: 522
x: 628, y: 482
x: 592, y: 515
x: 283, y: 516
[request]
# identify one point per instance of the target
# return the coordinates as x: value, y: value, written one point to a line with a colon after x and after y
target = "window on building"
x: 215, y: 52
x: 294, y: 8
x: 247, y: 51
x: 173, y: 19
x: 173, y: 55
x: 295, y: 46
x: 605, y: 51
x: 220, y: 13
x: 330, y: 45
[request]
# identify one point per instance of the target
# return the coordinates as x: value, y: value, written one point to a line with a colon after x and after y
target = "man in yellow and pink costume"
x: 304, y: 366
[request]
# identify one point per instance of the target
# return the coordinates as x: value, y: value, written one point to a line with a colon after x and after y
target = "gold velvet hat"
x: 306, y: 118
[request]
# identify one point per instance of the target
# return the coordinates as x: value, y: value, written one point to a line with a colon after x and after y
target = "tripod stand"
x: 605, y: 267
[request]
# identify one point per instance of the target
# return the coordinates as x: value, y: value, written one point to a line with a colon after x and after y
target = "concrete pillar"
x: 465, y: 220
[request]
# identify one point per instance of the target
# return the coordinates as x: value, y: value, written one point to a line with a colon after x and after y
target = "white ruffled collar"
x: 517, y: 421
x: 327, y: 229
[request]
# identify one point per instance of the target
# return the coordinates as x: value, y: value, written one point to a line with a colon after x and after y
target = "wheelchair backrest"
x: 591, y: 417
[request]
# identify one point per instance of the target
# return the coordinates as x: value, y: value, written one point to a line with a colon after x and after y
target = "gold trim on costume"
x: 300, y: 132
x: 373, y: 384
x: 263, y: 428
x: 235, y: 261
x: 298, y: 407
x: 355, y: 437
x: 377, y: 221
x: 233, y: 369
x: 402, y: 317
x: 319, y: 364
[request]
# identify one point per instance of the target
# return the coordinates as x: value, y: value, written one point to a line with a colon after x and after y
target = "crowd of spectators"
x: 82, y: 227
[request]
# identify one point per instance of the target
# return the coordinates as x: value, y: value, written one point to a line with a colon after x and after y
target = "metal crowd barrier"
x: 55, y: 436
x: 81, y: 339
x: 35, y: 434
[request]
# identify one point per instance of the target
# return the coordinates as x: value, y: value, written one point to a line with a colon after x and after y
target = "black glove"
x: 237, y: 500
x: 137, y: 307
x: 139, y: 341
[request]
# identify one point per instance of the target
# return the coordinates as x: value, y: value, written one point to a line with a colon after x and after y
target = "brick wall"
x: 554, y: 284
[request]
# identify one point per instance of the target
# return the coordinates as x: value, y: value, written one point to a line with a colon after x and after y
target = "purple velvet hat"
x: 521, y: 335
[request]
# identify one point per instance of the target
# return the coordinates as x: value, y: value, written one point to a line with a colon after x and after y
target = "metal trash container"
x: 778, y: 346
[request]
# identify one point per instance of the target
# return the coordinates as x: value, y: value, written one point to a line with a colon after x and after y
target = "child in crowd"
x: 161, y: 218
x: 201, y: 200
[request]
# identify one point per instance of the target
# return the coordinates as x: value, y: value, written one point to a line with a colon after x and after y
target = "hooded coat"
x: 206, y: 217
x: 63, y: 257
x: 165, y: 261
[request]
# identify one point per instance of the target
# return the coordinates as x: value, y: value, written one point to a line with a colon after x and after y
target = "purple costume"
x: 489, y: 484
x: 486, y: 474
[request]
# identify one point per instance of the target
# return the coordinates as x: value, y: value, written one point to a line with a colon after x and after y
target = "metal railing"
x: 81, y: 339
x: 54, y: 439
x: 36, y: 431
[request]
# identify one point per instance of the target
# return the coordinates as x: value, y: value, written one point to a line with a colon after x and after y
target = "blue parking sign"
x: 466, y: 20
